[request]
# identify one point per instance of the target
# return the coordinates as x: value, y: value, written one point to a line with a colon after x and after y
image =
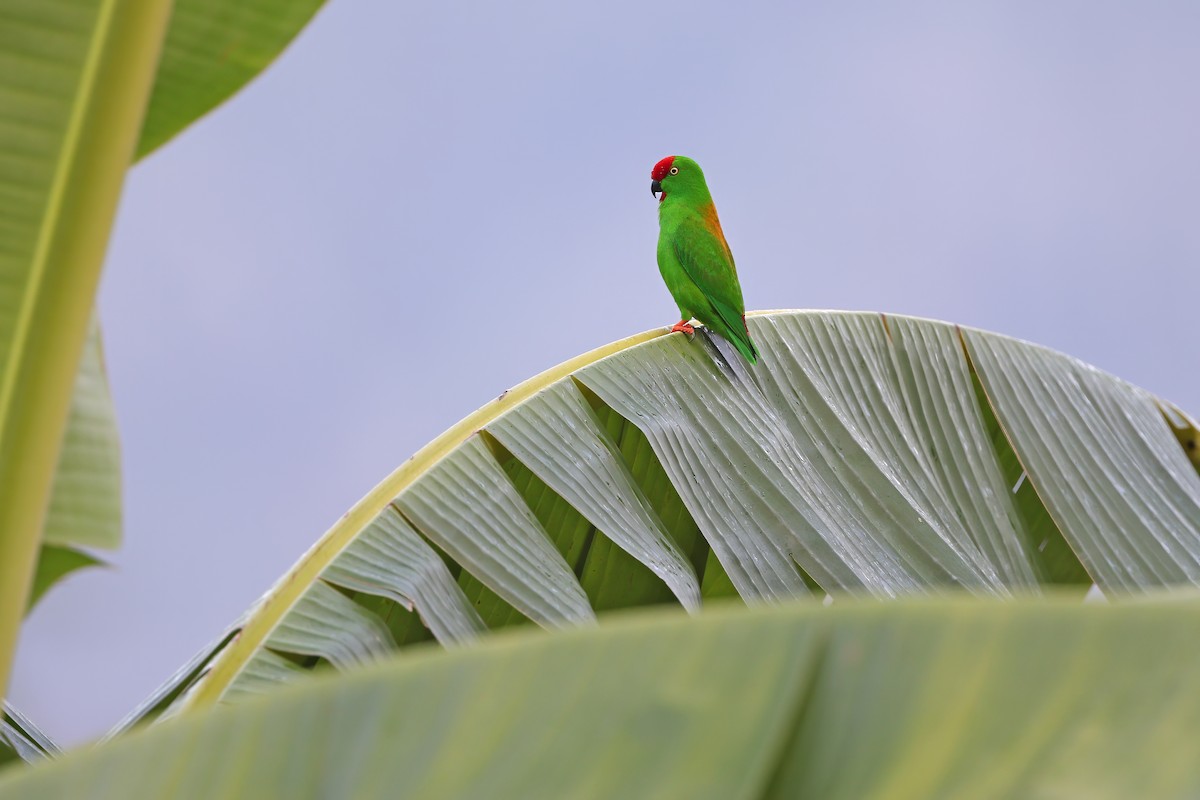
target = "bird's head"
x: 677, y: 175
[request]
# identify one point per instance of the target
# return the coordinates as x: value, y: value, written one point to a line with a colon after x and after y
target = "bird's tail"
x: 739, y: 337
x: 741, y: 340
x: 732, y: 326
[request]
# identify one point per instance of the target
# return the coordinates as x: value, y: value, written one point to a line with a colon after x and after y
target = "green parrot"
x: 694, y: 258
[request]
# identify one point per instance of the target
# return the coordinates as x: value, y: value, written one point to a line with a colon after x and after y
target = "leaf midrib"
x: 58, y: 190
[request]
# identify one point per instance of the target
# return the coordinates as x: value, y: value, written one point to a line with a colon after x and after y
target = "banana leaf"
x: 863, y: 455
x: 912, y: 699
x: 211, y: 50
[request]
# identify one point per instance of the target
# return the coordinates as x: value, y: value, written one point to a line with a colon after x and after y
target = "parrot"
x: 693, y: 256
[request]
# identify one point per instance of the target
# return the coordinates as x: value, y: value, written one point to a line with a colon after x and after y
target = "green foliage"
x: 862, y: 455
x: 55, y: 563
x: 214, y: 48
x: 75, y: 76
x: 952, y: 698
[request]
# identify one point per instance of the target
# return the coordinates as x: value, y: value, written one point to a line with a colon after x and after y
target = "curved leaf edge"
x: 277, y: 602
x: 272, y: 607
x: 154, y: 134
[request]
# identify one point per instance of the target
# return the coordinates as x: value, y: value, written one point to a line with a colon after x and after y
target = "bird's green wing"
x: 707, y: 262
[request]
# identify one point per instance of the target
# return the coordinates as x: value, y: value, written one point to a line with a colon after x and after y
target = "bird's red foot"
x: 683, y: 327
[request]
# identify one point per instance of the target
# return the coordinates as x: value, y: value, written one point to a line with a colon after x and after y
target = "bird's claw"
x: 683, y: 327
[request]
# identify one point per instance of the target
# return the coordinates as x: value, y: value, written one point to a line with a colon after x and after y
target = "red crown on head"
x: 660, y: 169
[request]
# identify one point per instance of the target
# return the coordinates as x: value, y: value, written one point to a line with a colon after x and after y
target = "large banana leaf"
x: 863, y: 455
x: 68, y: 68
x: 74, y: 79
x: 954, y: 698
x: 211, y: 50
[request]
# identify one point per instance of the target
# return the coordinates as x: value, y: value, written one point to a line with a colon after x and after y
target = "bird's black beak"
x: 655, y: 188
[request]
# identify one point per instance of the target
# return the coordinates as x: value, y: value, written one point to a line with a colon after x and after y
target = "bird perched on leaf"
x: 694, y: 258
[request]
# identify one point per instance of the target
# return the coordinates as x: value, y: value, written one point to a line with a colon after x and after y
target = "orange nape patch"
x: 709, y: 214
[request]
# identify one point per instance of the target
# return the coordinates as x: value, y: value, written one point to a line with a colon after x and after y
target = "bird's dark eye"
x: 674, y: 170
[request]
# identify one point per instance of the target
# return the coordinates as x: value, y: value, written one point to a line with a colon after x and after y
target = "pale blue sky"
x: 420, y: 205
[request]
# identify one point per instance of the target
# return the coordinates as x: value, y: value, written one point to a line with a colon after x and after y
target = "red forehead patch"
x: 660, y: 169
